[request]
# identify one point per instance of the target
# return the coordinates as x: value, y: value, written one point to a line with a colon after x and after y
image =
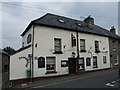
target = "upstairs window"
x: 57, y: 45
x: 29, y: 38
x: 82, y: 45
x: 22, y: 44
x: 97, y: 47
x: 73, y: 40
x: 113, y: 45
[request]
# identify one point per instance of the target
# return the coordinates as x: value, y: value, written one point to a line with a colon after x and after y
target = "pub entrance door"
x: 72, y: 65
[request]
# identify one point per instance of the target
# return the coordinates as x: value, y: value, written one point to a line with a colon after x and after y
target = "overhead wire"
x: 68, y: 12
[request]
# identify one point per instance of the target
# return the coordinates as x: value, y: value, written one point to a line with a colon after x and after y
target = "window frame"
x: 88, y: 63
x: 96, y: 66
x: 116, y: 59
x: 96, y: 43
x: 104, y: 59
x: 73, y: 41
x: 82, y: 45
x: 59, y: 51
x: 29, y: 38
x: 113, y: 45
x: 82, y: 65
x: 53, y: 70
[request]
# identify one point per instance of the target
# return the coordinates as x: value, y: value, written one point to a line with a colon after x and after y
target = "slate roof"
x: 55, y: 21
x: 3, y: 52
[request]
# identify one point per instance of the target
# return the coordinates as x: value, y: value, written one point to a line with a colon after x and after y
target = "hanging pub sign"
x: 41, y: 62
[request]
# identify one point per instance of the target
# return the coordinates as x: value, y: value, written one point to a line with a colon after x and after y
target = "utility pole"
x: 32, y: 62
x: 77, y: 69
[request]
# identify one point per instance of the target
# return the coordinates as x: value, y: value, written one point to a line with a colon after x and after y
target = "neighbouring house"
x: 4, y: 59
x: 114, y: 45
x: 56, y: 45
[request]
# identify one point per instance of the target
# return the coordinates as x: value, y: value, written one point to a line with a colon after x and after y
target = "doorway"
x: 72, y: 65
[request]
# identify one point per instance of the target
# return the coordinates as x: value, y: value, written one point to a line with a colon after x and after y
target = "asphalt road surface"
x: 102, y: 80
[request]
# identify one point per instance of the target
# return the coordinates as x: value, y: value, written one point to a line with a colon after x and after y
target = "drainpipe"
x: 119, y: 58
x: 32, y: 75
x: 77, y: 69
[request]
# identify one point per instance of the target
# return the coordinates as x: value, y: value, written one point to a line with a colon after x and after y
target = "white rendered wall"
x: 17, y: 66
x: 44, y: 38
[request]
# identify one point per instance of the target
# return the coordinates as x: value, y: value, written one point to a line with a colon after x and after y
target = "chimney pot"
x: 89, y: 20
x: 113, y: 30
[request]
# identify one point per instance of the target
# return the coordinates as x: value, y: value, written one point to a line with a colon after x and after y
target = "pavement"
x: 4, y: 78
x: 0, y: 80
x: 54, y: 80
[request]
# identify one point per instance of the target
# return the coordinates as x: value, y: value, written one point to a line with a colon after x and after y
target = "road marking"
x: 113, y: 81
x: 58, y: 82
x: 108, y: 84
x: 118, y: 80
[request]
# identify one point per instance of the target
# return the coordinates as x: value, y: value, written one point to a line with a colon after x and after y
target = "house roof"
x: 55, y: 21
x: 21, y: 49
x: 3, y: 52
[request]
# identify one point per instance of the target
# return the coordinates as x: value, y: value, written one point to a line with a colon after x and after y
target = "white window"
x: 82, y: 44
x: 50, y: 63
x: 104, y: 59
x: 73, y: 40
x: 81, y: 63
x: 29, y: 37
x: 57, y: 45
x: 95, y: 62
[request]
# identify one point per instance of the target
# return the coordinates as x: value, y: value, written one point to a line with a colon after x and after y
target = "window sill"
x: 64, y: 66
x: 97, y: 51
x: 49, y: 72
x: 58, y: 52
x: 105, y: 63
x: 83, y: 51
x: 95, y: 67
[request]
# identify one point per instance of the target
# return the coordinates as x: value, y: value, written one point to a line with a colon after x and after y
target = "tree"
x: 9, y: 50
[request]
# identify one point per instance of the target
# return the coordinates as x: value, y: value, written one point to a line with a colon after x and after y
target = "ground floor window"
x: 95, y: 62
x: 116, y: 59
x: 50, y: 63
x: 81, y: 63
x: 104, y: 59
x: 88, y: 61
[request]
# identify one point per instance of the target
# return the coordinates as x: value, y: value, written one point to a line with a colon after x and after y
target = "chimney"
x: 89, y: 20
x: 113, y: 30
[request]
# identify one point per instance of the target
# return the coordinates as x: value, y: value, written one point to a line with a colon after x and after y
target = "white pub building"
x: 55, y: 45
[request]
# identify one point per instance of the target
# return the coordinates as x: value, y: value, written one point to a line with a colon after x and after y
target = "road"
x: 4, y: 78
x: 102, y: 80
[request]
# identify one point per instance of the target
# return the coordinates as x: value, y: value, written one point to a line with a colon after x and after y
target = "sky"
x: 16, y: 15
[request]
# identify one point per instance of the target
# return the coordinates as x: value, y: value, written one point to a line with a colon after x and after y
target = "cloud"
x: 16, y: 18
x: 61, y: 0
